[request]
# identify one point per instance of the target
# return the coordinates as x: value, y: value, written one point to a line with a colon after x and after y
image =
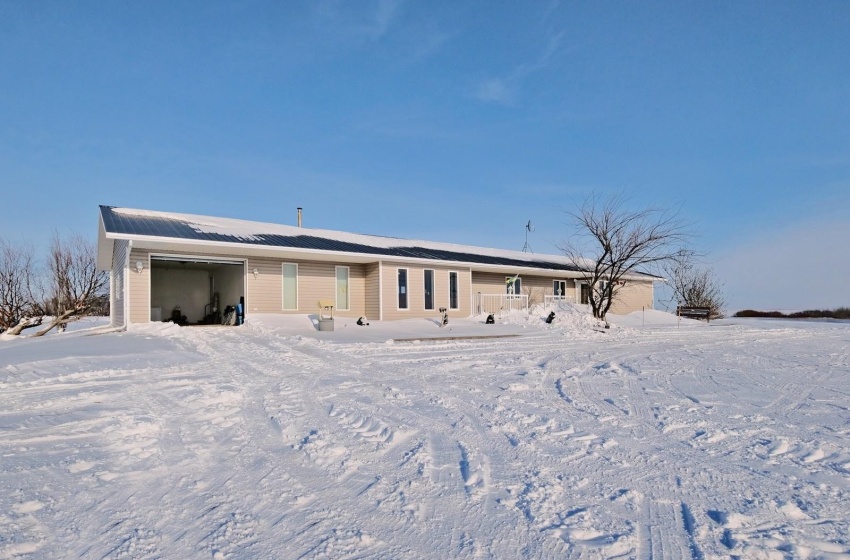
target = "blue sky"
x: 453, y: 121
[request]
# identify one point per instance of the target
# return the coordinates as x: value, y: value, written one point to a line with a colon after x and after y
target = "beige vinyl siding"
x: 372, y: 290
x: 140, y: 283
x: 488, y: 283
x: 633, y: 297
x: 265, y: 292
x: 316, y: 281
x: 416, y: 291
x: 140, y: 311
x: 117, y: 281
x: 494, y: 283
x: 535, y: 287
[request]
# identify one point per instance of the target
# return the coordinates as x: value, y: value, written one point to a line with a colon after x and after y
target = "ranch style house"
x: 165, y: 266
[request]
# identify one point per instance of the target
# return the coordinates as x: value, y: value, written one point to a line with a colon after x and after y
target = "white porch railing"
x: 494, y: 303
x: 550, y: 300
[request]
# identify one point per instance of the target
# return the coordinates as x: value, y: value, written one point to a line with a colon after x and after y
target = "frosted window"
x: 342, y: 297
x: 290, y: 286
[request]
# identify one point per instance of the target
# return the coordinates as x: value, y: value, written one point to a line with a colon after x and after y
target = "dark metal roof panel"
x: 155, y: 226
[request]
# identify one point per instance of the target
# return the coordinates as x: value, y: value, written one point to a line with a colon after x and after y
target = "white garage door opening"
x: 195, y: 291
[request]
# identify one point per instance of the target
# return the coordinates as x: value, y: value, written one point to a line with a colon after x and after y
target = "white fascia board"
x: 172, y: 243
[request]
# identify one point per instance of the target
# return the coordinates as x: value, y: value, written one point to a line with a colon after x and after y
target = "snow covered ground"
x: 646, y: 440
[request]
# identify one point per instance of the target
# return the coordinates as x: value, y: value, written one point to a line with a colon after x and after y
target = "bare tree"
x: 611, y: 242
x: 20, y: 293
x: 76, y: 285
x: 693, y: 285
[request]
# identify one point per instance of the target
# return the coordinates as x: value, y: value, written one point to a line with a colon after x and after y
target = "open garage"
x: 195, y: 291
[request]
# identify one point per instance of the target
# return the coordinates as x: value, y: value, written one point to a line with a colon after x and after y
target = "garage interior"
x: 196, y: 291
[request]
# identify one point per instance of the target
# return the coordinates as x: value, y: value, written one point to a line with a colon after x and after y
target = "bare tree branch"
x: 20, y: 291
x: 611, y: 242
x: 76, y: 283
x: 694, y: 286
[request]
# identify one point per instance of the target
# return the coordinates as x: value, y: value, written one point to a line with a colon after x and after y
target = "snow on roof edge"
x: 250, y: 230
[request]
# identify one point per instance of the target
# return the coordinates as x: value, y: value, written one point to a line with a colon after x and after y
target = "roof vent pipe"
x: 299, y: 216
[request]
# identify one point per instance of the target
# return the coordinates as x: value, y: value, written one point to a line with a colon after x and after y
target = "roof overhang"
x: 150, y: 243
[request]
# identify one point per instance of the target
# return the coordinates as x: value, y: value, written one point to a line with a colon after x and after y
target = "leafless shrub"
x: 694, y: 286
x: 535, y: 295
x: 76, y: 285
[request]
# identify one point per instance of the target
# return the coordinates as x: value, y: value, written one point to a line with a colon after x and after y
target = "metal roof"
x: 151, y: 225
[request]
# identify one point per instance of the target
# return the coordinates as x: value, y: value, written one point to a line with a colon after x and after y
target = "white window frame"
x: 560, y: 283
x: 433, y: 289
x: 406, y: 288
x: 347, y: 288
x: 283, y: 287
x: 518, y: 279
x: 449, y: 290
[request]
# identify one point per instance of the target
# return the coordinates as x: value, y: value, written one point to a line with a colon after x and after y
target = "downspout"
x: 380, y: 290
x: 126, y: 285
x: 471, y: 295
x: 112, y: 292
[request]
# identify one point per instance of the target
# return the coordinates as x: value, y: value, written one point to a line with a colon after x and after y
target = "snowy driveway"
x: 562, y: 443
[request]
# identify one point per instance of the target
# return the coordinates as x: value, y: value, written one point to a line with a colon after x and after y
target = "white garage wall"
x: 188, y: 289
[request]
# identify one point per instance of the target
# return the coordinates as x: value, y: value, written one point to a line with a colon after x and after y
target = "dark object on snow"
x: 177, y: 316
x: 490, y: 320
x: 229, y: 316
x: 694, y: 313
x: 550, y: 318
x: 444, y: 320
x: 362, y: 322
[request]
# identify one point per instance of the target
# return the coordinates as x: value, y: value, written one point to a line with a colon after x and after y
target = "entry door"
x: 585, y: 293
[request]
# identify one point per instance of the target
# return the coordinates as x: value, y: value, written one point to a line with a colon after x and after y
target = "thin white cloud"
x: 354, y: 19
x: 505, y: 89
x: 496, y: 91
x: 385, y: 13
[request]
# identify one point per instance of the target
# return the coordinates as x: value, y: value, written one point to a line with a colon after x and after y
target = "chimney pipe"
x: 299, y: 216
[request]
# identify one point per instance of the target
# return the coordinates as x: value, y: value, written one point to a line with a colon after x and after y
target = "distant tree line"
x: 50, y: 290
x: 839, y: 313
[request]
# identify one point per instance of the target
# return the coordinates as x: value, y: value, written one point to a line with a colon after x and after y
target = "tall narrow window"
x: 342, y: 296
x: 429, y: 289
x: 290, y: 286
x: 453, y: 302
x: 402, y: 288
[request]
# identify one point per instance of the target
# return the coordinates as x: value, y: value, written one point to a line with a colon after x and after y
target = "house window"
x: 429, y: 289
x: 290, y: 286
x: 342, y: 295
x: 559, y: 288
x: 513, y: 285
x: 402, y: 288
x: 453, y: 301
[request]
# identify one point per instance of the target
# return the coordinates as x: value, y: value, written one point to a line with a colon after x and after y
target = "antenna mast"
x: 529, y: 227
